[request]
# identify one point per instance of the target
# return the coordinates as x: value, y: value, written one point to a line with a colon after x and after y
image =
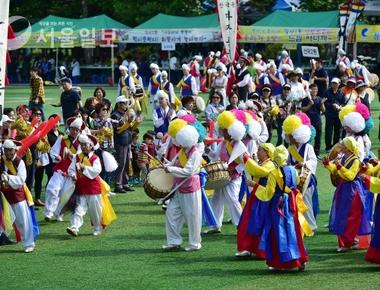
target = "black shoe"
x: 128, y: 188
x: 120, y: 190
x: 4, y: 240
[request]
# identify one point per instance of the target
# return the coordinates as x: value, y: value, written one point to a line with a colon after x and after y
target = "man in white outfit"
x: 13, y: 178
x: 186, y: 204
x: 61, y: 186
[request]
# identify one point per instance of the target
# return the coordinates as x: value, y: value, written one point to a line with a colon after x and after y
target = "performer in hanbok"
x: 373, y: 184
x: 13, y: 177
x: 361, y: 73
x: 136, y: 88
x: 341, y: 57
x: 276, y: 79
x: 259, y: 60
x: 187, y: 84
x: 285, y: 60
x: 168, y: 88
x: 261, y: 78
x: 243, y: 79
x: 154, y: 82
x: 302, y: 156
x: 84, y: 170
x: 233, y: 132
x: 61, y: 186
x: 122, y: 86
x: 282, y: 235
x: 195, y: 70
x: 163, y: 114
x: 348, y: 215
x: 185, y: 206
x: 251, y: 222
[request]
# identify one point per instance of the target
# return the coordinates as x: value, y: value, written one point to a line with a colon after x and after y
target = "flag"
x: 228, y: 19
x: 231, y: 80
x: 4, y: 21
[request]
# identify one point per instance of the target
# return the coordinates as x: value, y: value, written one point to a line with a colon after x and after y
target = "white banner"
x: 228, y: 16
x: 4, y: 14
x: 310, y: 51
x: 171, y: 35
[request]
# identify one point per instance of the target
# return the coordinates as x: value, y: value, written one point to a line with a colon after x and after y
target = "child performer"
x: 303, y: 158
x: 85, y: 168
x: 348, y: 215
x: 282, y: 235
x: 186, y: 205
x: 251, y: 223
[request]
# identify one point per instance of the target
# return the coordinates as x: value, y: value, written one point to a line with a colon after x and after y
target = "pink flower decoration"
x: 239, y: 114
x: 363, y: 110
x: 189, y: 118
x: 304, y: 118
x: 252, y: 113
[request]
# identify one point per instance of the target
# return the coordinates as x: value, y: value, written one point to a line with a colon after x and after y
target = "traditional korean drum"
x: 334, y: 155
x: 218, y: 175
x: 158, y: 183
x: 305, y: 176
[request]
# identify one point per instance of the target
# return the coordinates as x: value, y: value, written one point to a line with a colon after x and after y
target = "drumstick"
x: 154, y: 158
x: 174, y: 190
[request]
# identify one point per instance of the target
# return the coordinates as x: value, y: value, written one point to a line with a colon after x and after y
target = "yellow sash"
x: 69, y: 145
x: 182, y: 158
x: 295, y: 154
x: 12, y: 169
x: 6, y: 215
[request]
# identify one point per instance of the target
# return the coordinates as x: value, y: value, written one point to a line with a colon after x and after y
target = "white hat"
x: 123, y: 67
x: 258, y: 56
x: 132, y: 66
x: 221, y: 66
x: 185, y: 67
x: 164, y: 73
x: 198, y: 57
x: 217, y: 54
x: 259, y: 67
x: 75, y: 123
x: 211, y: 53
x: 9, y: 144
x: 341, y: 52
x: 162, y: 95
x: 272, y: 64
x: 121, y: 99
x: 298, y: 71
x: 154, y: 66
x: 284, y: 53
x: 355, y: 64
x: 87, y: 139
x: 336, y: 80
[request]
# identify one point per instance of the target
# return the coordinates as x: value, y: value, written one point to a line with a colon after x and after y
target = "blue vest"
x: 164, y: 127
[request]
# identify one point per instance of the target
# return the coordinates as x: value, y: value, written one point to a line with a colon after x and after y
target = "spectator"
x: 334, y: 101
x: 363, y: 96
x: 70, y: 99
x: 187, y: 106
x: 297, y: 92
x: 219, y: 83
x: 37, y: 95
x: 233, y: 99
x: 143, y: 158
x: 313, y: 106
x: 319, y: 77
x: 75, y: 71
x: 214, y: 108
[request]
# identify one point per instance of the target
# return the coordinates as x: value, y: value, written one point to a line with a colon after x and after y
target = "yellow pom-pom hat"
x: 228, y: 121
x: 183, y: 135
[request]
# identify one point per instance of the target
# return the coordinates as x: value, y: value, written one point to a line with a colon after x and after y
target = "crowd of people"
x: 270, y: 191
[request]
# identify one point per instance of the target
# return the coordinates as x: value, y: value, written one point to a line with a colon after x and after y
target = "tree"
x: 320, y: 5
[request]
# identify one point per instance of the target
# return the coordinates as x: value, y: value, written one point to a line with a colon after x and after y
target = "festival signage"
x: 251, y: 34
x: 310, y: 51
x: 227, y: 12
x: 368, y: 33
x: 4, y: 14
x: 171, y: 35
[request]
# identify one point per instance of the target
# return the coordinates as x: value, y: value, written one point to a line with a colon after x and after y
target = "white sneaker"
x: 171, y: 247
x: 111, y: 193
x: 48, y: 218
x: 243, y: 254
x: 97, y: 233
x: 29, y: 249
x: 192, y: 248
x: 72, y: 232
x: 60, y: 218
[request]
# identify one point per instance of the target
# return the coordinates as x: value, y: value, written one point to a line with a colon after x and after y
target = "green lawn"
x: 128, y: 256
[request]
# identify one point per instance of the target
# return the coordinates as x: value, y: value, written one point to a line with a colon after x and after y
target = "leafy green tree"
x: 320, y: 5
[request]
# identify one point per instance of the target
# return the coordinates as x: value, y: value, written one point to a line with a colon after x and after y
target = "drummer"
x: 186, y: 204
x: 233, y: 131
x: 303, y: 158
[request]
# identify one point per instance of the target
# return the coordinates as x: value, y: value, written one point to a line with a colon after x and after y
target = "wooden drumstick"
x: 154, y: 158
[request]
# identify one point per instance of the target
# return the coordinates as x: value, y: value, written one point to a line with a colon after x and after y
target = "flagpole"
x: 4, y: 22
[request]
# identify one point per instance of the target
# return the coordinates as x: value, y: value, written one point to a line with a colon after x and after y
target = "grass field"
x: 128, y: 254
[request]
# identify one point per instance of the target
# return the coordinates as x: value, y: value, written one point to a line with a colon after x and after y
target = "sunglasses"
x: 105, y: 109
x: 216, y: 97
x: 218, y: 69
x: 37, y: 114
